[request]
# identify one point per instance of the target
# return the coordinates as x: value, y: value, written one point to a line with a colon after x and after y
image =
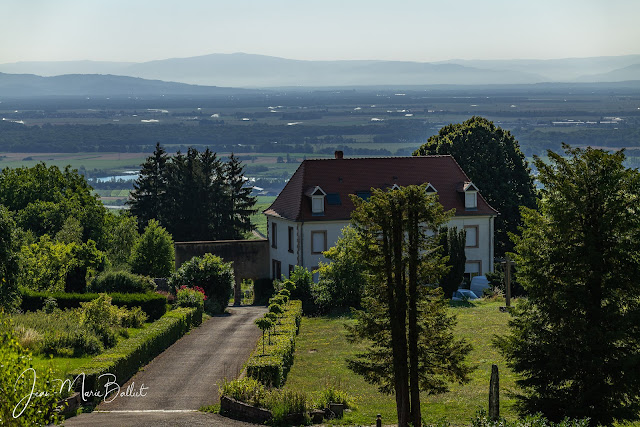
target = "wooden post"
x: 494, y: 394
x: 379, y: 421
x: 507, y: 280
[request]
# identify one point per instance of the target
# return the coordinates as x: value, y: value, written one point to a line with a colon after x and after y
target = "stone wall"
x: 250, y: 257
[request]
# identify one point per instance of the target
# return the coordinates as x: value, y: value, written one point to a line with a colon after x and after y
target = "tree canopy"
x: 575, y: 341
x: 404, y: 318
x: 194, y: 196
x: 43, y: 198
x: 492, y: 159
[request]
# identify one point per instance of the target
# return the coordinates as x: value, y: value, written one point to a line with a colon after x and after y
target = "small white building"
x: 308, y: 215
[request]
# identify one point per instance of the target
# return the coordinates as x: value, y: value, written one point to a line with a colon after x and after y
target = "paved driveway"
x: 184, y: 377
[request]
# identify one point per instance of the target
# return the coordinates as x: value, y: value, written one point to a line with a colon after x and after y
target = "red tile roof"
x: 350, y: 176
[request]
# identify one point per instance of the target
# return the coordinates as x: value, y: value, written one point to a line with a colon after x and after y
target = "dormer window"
x: 395, y: 187
x: 431, y: 189
x: 317, y: 200
x: 470, y: 195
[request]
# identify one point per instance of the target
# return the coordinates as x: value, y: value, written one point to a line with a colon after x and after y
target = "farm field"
x: 322, y: 350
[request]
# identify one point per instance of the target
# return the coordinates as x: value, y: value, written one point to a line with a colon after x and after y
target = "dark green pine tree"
x: 575, y: 341
x: 211, y: 194
x: 149, y: 196
x: 453, y: 242
x: 240, y: 205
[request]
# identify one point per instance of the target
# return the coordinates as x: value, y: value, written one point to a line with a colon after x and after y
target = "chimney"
x: 339, y: 154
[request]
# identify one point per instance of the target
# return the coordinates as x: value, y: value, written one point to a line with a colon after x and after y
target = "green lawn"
x: 259, y: 219
x: 321, y: 350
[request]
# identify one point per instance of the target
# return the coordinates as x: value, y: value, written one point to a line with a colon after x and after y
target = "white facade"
x: 298, y: 249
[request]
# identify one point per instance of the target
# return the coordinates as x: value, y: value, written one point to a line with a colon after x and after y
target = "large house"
x: 308, y: 215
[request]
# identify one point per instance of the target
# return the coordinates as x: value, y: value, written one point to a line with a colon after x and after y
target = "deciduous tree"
x: 492, y: 159
x: 153, y: 253
x: 575, y: 341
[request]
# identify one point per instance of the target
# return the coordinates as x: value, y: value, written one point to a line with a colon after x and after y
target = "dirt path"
x: 184, y: 377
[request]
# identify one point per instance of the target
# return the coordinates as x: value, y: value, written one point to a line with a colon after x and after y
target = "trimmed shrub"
x: 212, y: 274
x: 271, y: 368
x: 153, y: 304
x: 121, y: 281
x: 128, y: 356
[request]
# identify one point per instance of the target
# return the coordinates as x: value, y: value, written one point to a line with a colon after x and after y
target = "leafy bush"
x: 9, y: 248
x: 128, y: 356
x: 339, y: 282
x: 271, y: 368
x: 14, y: 361
x: 284, y: 403
x: 333, y: 395
x: 247, y: 390
x: 262, y: 290
x: 49, y: 265
x: 152, y: 303
x: 121, y: 281
x: 187, y: 297
x: 153, y: 253
x: 303, y: 282
x: 211, y: 273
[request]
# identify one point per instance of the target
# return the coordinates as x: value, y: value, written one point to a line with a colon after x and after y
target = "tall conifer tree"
x: 240, y: 205
x: 148, y: 198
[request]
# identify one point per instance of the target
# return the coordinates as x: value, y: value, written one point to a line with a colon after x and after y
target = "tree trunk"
x: 414, y: 382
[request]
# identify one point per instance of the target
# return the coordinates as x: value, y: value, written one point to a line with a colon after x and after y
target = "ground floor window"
x: 276, y: 269
x: 472, y: 269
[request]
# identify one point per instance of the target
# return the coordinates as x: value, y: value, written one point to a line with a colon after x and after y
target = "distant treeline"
x: 15, y: 137
x: 266, y: 138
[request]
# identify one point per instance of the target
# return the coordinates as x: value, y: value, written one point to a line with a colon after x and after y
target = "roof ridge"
x: 380, y: 157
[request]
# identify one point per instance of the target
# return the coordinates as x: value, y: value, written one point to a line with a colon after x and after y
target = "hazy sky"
x: 413, y: 30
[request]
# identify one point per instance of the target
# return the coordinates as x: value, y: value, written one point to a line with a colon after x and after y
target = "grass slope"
x: 321, y: 350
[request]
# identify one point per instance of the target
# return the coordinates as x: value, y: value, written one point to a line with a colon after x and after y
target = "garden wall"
x: 250, y: 257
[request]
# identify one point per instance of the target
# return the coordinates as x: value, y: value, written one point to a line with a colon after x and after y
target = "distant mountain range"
x: 256, y: 71
x: 74, y: 85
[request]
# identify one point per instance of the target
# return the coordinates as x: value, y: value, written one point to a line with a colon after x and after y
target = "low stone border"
x: 243, y: 411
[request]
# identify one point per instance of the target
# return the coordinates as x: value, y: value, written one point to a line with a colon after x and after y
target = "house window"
x: 276, y: 269
x: 470, y: 200
x: 472, y: 269
x: 274, y: 235
x: 318, y: 242
x: 317, y: 207
x: 290, y: 238
x: 472, y: 236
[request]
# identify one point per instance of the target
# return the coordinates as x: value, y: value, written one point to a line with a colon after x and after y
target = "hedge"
x: 271, y: 368
x: 129, y: 355
x: 155, y: 305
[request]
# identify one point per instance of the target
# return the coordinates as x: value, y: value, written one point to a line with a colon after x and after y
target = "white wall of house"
x: 480, y: 241
x: 479, y: 252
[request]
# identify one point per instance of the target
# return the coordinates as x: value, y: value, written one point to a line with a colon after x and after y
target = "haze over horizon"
x: 413, y: 30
